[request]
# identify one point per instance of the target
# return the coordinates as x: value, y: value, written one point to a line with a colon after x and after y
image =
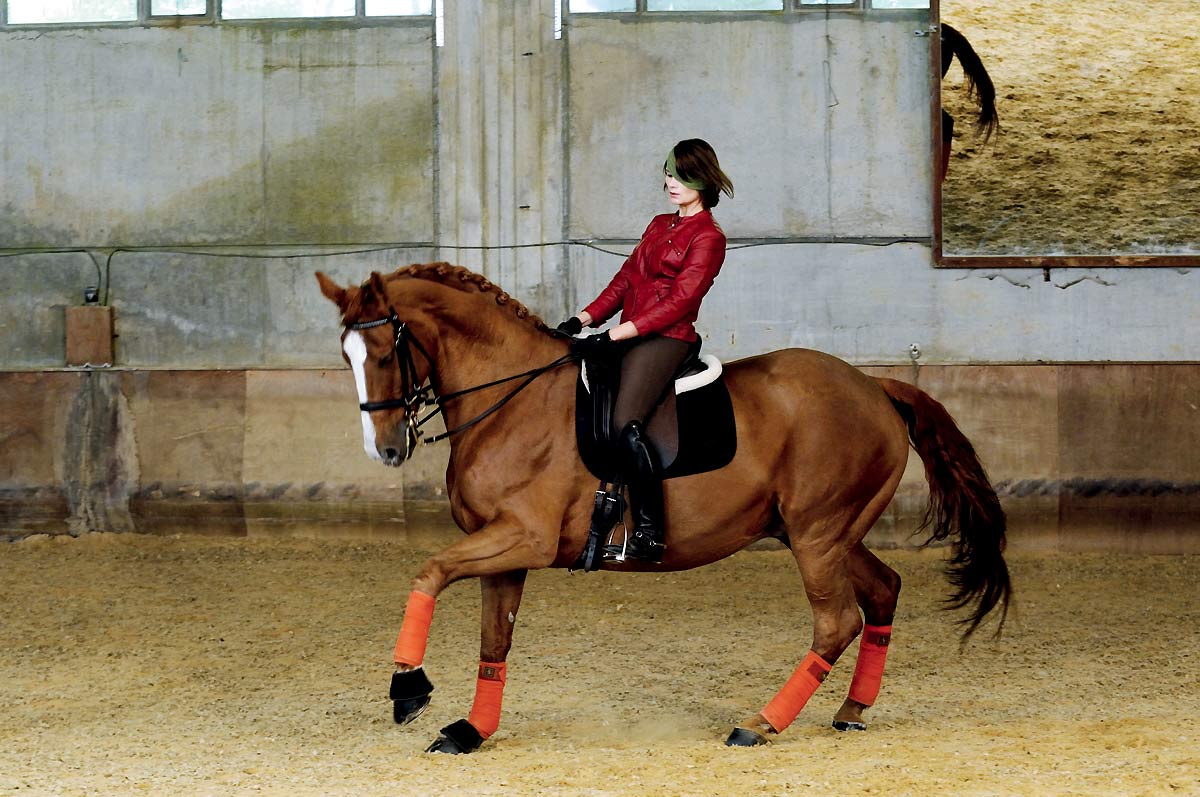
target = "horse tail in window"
x: 979, y: 83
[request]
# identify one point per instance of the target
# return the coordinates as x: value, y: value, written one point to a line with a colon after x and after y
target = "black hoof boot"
x: 744, y: 737
x: 840, y: 725
x: 410, y: 695
x: 457, y: 737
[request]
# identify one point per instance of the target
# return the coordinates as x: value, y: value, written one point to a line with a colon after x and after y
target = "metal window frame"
x: 212, y: 16
x: 792, y: 11
x: 789, y: 7
x: 643, y: 8
x: 1044, y: 262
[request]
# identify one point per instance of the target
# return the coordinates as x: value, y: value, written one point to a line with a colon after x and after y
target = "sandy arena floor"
x: 195, y: 665
x: 1099, y: 104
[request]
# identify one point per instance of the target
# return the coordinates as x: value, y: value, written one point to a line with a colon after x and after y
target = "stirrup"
x: 638, y: 546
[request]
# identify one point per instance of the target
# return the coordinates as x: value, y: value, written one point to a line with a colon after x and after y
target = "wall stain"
x: 100, y: 463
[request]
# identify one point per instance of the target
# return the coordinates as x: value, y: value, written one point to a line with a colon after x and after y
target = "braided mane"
x: 464, y: 279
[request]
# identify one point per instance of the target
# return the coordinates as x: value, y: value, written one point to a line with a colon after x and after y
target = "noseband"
x: 414, y: 397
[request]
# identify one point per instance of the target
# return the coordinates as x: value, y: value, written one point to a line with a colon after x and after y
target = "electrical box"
x: 90, y: 335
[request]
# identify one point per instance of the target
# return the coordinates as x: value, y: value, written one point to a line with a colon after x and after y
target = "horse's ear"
x: 332, y: 291
x: 377, y: 285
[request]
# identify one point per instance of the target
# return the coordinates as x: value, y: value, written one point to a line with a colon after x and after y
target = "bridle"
x: 415, y: 397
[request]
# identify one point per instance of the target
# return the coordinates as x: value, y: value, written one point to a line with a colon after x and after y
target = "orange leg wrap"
x: 786, y: 705
x: 489, y: 692
x: 868, y: 671
x: 414, y: 633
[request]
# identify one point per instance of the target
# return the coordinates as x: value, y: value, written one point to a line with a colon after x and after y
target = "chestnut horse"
x: 821, y: 449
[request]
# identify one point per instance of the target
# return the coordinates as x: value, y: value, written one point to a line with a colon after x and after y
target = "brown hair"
x: 695, y: 161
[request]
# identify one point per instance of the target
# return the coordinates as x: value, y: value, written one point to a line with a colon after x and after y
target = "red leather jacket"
x: 660, y: 286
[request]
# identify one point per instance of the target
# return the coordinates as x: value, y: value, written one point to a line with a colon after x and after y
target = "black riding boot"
x: 645, y: 496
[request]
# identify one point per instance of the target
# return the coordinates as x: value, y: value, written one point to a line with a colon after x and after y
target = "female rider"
x: 658, y: 290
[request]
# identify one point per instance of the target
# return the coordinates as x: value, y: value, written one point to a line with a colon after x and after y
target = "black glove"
x: 572, y: 326
x: 592, y: 345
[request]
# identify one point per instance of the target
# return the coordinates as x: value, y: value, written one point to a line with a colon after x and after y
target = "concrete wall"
x: 868, y: 304
x: 170, y: 451
x: 249, y: 451
x: 259, y: 136
x: 823, y: 124
x: 255, y: 154
x: 226, y: 134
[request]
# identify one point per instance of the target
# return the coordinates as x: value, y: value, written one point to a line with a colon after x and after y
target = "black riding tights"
x: 647, y: 369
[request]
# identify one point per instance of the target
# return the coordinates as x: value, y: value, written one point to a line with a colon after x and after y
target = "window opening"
x: 178, y: 8
x: 642, y: 6
x: 88, y: 12
x: 602, y: 6
x: 285, y: 9
x: 399, y: 8
x: 34, y: 12
x: 714, y: 5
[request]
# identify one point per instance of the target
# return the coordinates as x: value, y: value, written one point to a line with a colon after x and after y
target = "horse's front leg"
x: 497, y: 552
x: 501, y: 599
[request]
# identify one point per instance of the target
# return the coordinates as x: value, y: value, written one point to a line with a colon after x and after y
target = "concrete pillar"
x: 499, y: 90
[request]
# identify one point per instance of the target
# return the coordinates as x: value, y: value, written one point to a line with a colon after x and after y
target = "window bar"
x: 360, y: 9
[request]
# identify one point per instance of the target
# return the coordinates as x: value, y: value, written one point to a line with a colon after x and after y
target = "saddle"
x: 692, y: 430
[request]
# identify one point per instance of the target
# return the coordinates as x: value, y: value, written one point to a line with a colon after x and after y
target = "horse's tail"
x: 979, y: 83
x: 961, y: 501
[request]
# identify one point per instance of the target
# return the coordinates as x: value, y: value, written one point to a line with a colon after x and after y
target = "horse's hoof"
x: 841, y: 725
x: 405, y: 711
x: 410, y: 695
x: 744, y: 737
x: 457, y: 737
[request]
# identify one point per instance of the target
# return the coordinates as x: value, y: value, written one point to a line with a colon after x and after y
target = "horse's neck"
x: 478, y: 344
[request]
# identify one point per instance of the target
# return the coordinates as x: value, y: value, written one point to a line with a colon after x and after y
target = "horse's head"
x: 390, y: 366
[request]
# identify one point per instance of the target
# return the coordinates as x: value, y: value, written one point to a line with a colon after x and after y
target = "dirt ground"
x: 200, y: 665
x: 1099, y: 107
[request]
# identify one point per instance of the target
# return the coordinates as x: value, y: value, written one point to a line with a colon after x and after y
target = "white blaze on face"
x: 356, y: 351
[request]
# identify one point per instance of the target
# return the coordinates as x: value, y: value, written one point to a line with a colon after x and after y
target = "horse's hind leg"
x: 829, y: 553
x: 836, y: 622
x: 501, y: 599
x: 877, y: 588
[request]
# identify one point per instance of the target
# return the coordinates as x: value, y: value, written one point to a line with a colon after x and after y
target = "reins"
x: 413, y: 398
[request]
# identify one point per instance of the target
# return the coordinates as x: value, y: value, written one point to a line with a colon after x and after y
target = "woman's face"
x: 679, y: 193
